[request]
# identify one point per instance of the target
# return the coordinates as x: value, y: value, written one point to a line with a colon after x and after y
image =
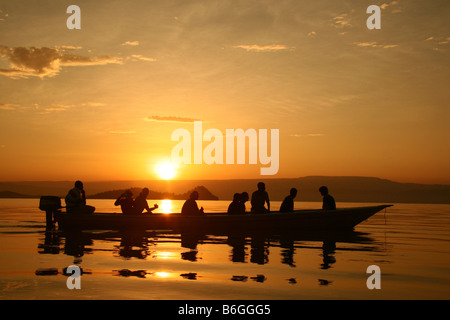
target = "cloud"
x: 374, y: 44
x: 45, y: 109
x: 69, y: 47
x: 312, y: 34
x: 385, y: 5
x: 130, y: 43
x: 342, y: 21
x: 9, y: 106
x: 265, y: 48
x: 170, y: 119
x: 57, y: 107
x: 437, y: 42
x: 3, y: 15
x: 46, y: 62
x: 139, y: 57
x: 93, y: 104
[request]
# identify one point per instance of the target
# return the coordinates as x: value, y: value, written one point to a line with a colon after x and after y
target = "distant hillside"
x: 204, y: 194
x: 344, y: 189
x: 13, y: 195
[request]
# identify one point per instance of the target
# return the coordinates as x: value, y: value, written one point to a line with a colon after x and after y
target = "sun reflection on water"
x: 166, y: 206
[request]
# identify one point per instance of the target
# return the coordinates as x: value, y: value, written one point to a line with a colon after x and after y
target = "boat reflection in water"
x: 253, y: 248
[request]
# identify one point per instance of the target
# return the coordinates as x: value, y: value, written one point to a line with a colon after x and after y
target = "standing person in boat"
x: 259, y: 199
x: 76, y: 200
x: 328, y: 201
x: 190, y: 207
x: 288, y: 202
x: 126, y: 202
x: 140, y: 203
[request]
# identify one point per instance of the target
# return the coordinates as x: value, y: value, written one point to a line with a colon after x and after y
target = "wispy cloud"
x: 170, y: 119
x: 265, y: 48
x: 57, y: 107
x: 343, y: 20
x: 3, y: 15
x: 438, y: 43
x: 43, y: 62
x: 392, y: 5
x: 93, y: 104
x: 45, y: 109
x: 139, y: 57
x: 374, y: 44
x: 9, y: 106
x: 130, y: 43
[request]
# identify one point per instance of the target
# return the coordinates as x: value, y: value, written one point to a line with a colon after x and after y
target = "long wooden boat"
x: 340, y: 219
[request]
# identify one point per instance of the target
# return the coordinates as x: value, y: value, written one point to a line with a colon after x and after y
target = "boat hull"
x: 340, y: 219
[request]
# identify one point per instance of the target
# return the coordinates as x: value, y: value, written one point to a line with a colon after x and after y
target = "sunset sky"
x: 101, y: 103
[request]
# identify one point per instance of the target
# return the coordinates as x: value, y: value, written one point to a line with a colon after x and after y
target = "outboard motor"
x: 51, y: 205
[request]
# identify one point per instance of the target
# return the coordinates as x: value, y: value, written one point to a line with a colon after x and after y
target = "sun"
x: 165, y: 170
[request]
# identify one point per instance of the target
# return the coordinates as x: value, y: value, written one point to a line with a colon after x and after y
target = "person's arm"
x: 146, y: 206
x: 83, y: 197
x: 119, y: 200
x: 268, y: 202
x: 154, y: 207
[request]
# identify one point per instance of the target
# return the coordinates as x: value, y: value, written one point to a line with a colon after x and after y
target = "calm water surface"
x: 409, y: 242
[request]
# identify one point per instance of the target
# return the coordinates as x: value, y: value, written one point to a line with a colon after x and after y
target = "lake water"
x: 408, y: 242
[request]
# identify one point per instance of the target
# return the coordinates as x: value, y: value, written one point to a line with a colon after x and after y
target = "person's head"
x: 145, y: 192
x: 79, y: 184
x: 128, y: 193
x: 293, y: 192
x: 244, y: 197
x: 194, y: 195
x: 323, y: 190
x: 261, y: 186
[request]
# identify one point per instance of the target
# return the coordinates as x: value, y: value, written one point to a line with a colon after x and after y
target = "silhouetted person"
x: 235, y: 205
x: 259, y: 199
x: 328, y: 201
x: 140, y: 203
x: 288, y: 202
x: 126, y: 202
x: 244, y: 199
x: 190, y: 207
x: 76, y: 200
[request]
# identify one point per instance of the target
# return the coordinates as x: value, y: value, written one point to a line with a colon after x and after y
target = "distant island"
x: 15, y: 195
x: 343, y: 189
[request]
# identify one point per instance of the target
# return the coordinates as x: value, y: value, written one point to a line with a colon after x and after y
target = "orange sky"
x: 101, y: 103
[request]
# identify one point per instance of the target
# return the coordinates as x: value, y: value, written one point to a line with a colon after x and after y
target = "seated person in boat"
x: 235, y: 206
x: 190, y: 207
x: 288, y: 202
x: 328, y: 201
x: 76, y: 200
x: 140, y: 203
x: 259, y: 199
x: 126, y: 202
x: 244, y: 199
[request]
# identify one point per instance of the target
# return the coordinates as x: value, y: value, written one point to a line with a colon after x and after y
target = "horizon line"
x: 232, y: 179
